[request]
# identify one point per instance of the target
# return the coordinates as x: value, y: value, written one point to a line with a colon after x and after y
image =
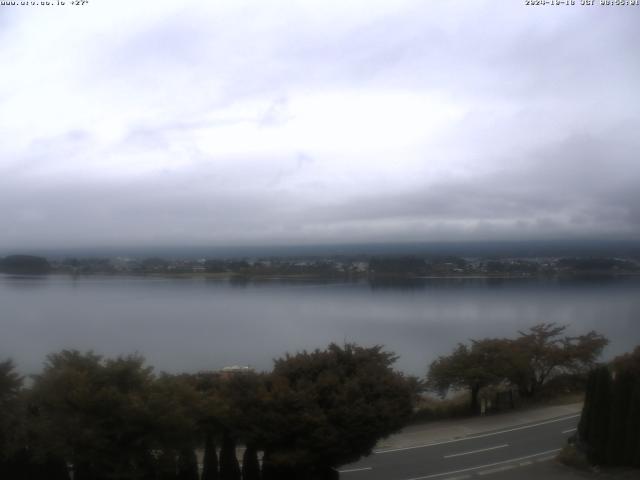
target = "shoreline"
x: 350, y: 277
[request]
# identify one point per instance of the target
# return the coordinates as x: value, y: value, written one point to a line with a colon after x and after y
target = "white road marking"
x: 512, y: 460
x: 496, y: 470
x: 484, y: 435
x: 476, y: 451
x: 350, y: 470
x: 545, y: 459
x: 570, y: 430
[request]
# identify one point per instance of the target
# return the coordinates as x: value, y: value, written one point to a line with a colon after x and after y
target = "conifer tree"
x: 599, y: 427
x: 210, y: 460
x: 229, y: 467
x: 11, y: 421
x: 187, y: 465
x: 167, y: 466
x: 250, y: 464
x: 268, y: 471
x: 586, y: 419
x: 632, y: 439
x: 622, y: 390
x: 55, y: 468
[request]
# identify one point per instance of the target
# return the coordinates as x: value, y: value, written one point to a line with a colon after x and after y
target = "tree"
x: 542, y: 352
x: 473, y: 367
x: 609, y: 428
x: 187, y: 465
x: 94, y: 413
x: 626, y: 411
x: 12, y: 441
x: 601, y: 404
x: 232, y: 408
x: 174, y: 406
x: 594, y: 426
x: 10, y: 386
x: 528, y: 362
x: 397, y: 266
x: 229, y: 466
x: 167, y: 465
x: 250, y: 464
x: 210, y: 460
x: 24, y: 265
x: 621, y: 395
x: 329, y: 407
x: 632, y: 443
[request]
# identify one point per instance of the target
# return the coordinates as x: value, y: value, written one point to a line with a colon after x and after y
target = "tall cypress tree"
x: 85, y: 471
x: 599, y: 427
x: 19, y: 466
x: 167, y: 466
x: 632, y: 443
x: 250, y: 464
x: 622, y: 390
x: 229, y: 467
x: 586, y: 419
x: 55, y: 468
x: 268, y: 472
x: 148, y: 467
x: 210, y: 461
x: 187, y: 465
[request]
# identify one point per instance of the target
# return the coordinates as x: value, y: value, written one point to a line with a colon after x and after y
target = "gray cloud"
x: 278, y: 123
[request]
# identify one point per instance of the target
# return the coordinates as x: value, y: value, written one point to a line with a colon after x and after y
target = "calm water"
x: 193, y: 324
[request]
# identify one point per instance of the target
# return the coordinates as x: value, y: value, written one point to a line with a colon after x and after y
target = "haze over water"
x: 197, y: 324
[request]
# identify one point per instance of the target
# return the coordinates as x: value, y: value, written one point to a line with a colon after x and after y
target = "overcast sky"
x: 155, y: 122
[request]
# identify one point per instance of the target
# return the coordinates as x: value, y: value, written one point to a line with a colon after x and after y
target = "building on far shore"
x: 227, y: 372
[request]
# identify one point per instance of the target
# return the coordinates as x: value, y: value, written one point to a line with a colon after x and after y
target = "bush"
x: 564, y: 384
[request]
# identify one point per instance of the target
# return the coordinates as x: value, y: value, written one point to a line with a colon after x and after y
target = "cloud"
x: 272, y: 122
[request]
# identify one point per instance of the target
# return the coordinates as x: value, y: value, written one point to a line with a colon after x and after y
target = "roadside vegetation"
x: 102, y: 418
x: 609, y: 429
x: 113, y: 418
x: 498, y: 373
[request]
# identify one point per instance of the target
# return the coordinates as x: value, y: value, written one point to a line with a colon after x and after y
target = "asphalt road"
x: 482, y: 455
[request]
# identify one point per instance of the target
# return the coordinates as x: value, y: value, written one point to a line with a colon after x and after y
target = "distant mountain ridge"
x: 503, y: 249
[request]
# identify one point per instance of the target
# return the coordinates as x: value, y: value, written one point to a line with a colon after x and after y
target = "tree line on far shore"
x: 113, y: 418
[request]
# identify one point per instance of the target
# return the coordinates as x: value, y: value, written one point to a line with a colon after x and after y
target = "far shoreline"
x: 351, y: 278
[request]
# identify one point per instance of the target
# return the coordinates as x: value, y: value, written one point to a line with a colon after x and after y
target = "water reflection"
x: 196, y: 323
x: 24, y: 281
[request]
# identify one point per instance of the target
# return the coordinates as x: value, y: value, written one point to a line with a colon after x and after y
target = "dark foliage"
x: 24, y: 265
x: 397, y: 266
x: 540, y: 355
x: 250, y: 464
x: 210, y: 460
x: 229, y: 466
x: 330, y: 407
x: 609, y: 429
x: 187, y: 465
x: 114, y: 419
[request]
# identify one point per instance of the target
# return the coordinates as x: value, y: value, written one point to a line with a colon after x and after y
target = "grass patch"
x: 572, y: 457
x: 430, y: 408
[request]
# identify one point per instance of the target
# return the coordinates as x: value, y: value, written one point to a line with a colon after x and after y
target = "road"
x: 479, y: 455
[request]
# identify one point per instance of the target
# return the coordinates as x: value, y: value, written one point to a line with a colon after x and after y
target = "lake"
x: 196, y: 324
